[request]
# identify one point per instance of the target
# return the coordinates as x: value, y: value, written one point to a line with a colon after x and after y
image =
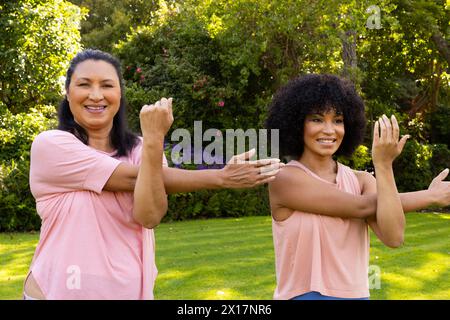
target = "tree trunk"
x: 442, y: 45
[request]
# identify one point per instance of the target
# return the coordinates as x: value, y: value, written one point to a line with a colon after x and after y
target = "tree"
x: 37, y: 40
x: 108, y: 22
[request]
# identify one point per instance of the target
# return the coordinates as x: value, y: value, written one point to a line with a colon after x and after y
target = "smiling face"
x: 94, y: 94
x: 323, y: 133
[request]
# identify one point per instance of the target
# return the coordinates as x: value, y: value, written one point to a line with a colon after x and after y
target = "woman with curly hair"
x: 322, y: 209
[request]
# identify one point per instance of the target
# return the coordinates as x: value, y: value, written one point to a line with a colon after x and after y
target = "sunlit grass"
x: 234, y: 259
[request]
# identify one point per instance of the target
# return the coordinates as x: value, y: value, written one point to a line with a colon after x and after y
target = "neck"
x: 99, y: 139
x: 318, y: 164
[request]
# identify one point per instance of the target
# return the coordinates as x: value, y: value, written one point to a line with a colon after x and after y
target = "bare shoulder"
x: 363, y: 175
x: 280, y: 188
x: 366, y: 180
x: 286, y: 177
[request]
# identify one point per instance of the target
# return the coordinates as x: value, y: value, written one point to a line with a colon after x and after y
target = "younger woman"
x: 321, y: 208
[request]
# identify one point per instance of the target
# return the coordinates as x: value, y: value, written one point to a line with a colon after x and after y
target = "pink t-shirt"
x: 320, y: 253
x: 90, y: 247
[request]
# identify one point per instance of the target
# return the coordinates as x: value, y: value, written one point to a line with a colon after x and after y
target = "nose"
x: 328, y: 127
x: 95, y: 94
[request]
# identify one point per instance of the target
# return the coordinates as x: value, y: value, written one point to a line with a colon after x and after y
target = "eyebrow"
x: 322, y: 114
x: 87, y: 79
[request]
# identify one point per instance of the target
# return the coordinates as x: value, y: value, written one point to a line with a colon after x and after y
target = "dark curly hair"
x: 316, y: 93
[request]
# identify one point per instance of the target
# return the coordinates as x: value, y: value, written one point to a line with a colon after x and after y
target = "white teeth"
x: 95, y: 108
x: 325, y: 140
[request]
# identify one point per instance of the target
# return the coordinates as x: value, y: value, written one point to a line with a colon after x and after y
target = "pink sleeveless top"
x: 320, y: 253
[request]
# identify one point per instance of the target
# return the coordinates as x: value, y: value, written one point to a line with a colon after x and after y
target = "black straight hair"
x: 121, y: 138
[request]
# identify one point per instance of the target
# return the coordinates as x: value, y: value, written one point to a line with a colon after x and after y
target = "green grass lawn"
x: 234, y: 259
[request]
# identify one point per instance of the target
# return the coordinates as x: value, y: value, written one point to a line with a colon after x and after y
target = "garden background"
x: 222, y: 61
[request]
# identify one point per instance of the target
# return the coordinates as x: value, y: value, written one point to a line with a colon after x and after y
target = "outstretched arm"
x: 238, y: 173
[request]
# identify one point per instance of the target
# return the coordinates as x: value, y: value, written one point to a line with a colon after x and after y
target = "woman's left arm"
x: 150, y: 198
x: 237, y: 173
x: 390, y: 218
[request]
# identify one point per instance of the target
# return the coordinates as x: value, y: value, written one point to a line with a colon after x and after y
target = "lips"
x: 95, y: 109
x: 326, y: 140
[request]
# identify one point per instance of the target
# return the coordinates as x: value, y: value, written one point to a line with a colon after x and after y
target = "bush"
x: 439, y: 125
x: 440, y: 158
x: 219, y: 203
x: 413, y: 167
x: 361, y: 159
x: 17, y: 205
x: 180, y: 59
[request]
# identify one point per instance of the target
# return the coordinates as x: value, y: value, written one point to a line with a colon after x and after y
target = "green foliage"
x: 181, y: 60
x: 440, y: 159
x: 218, y: 203
x: 17, y: 205
x: 439, y: 125
x: 108, y: 21
x: 413, y: 168
x: 37, y: 40
x: 360, y: 159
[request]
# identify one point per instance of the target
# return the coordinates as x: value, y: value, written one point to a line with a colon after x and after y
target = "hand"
x: 441, y: 189
x: 386, y: 146
x: 241, y: 173
x: 157, y: 118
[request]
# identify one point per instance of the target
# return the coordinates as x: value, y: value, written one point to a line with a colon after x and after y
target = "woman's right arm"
x: 294, y: 189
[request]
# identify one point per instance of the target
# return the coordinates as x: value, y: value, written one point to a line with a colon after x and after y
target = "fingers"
x: 395, y: 128
x: 376, y: 132
x: 402, y: 142
x: 386, y: 129
x: 243, y: 156
x: 265, y: 162
x: 268, y: 169
x: 169, y: 101
x: 441, y: 176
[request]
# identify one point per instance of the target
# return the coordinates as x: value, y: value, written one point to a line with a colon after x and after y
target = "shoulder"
x: 287, y: 177
x: 363, y: 175
x: 55, y: 142
x: 53, y: 135
x: 366, y: 180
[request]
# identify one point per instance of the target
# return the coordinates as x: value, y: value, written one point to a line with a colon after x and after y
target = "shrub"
x: 219, y: 203
x: 17, y: 205
x: 413, y: 167
x: 440, y: 158
x: 360, y: 160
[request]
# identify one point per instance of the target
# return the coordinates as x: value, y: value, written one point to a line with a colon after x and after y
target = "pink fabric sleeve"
x: 62, y: 163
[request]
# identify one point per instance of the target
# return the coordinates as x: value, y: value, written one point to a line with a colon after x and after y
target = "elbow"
x: 151, y: 225
x: 148, y: 223
x: 150, y: 219
x: 395, y: 242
